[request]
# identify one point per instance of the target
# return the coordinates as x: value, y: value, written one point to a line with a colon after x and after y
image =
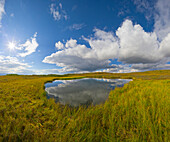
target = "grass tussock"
x: 137, y: 112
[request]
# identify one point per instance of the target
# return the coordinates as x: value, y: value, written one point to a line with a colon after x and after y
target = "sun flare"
x: 11, y: 45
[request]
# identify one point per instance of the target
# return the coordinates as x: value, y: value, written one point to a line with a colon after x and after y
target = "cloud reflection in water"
x: 82, y: 91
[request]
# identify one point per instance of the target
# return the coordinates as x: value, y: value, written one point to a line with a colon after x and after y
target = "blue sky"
x: 61, y: 36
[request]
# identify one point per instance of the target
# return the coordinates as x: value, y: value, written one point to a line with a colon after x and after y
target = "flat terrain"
x: 137, y: 112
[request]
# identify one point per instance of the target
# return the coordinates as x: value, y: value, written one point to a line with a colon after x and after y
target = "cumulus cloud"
x: 2, y: 10
x: 59, y: 45
x: 29, y: 46
x: 58, y: 12
x: 131, y: 45
x: 136, y: 45
x: 104, y: 45
x: 165, y: 46
x: 139, y: 49
x: 77, y: 57
x: 71, y: 43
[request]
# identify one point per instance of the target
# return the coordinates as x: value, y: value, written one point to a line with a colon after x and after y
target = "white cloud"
x: 156, y: 66
x: 136, y: 45
x: 146, y: 7
x: 77, y: 57
x: 12, y: 14
x: 104, y: 45
x: 137, y: 67
x: 71, y: 43
x: 58, y: 12
x: 165, y: 46
x: 10, y: 64
x: 159, y: 11
x: 29, y: 46
x: 60, y: 5
x: 162, y: 18
x: 2, y: 10
x: 76, y: 26
x: 121, y: 13
x: 46, y: 71
x: 132, y: 45
x: 116, y: 68
x: 26, y: 48
x: 59, y: 45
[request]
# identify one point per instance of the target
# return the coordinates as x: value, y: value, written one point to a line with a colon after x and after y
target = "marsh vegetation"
x: 139, y: 111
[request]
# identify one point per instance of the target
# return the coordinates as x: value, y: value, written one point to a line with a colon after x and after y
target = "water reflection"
x: 82, y: 91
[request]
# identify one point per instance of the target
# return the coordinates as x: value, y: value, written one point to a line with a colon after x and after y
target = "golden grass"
x: 137, y: 112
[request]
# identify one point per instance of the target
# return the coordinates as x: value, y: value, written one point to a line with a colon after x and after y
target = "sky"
x: 76, y: 36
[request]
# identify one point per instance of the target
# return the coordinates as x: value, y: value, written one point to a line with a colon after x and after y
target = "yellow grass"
x: 137, y: 112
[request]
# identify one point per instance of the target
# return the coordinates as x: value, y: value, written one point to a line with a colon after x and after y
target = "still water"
x: 82, y: 91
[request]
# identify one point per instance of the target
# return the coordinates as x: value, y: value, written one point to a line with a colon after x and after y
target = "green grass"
x: 137, y: 112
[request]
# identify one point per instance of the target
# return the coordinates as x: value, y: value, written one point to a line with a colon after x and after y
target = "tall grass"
x: 137, y: 112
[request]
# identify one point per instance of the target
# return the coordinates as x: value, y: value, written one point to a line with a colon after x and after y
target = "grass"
x: 137, y: 112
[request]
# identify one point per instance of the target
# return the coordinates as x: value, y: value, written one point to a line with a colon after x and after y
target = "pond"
x: 87, y: 91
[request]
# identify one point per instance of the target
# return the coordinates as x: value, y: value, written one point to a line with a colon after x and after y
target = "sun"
x: 11, y: 45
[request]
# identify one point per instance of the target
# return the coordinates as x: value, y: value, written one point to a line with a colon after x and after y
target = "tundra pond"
x: 87, y: 91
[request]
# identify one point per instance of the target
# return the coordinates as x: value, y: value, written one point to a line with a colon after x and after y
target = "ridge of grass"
x: 137, y: 112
